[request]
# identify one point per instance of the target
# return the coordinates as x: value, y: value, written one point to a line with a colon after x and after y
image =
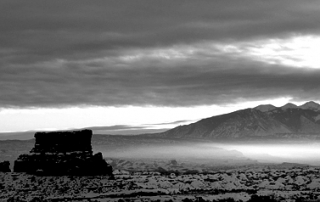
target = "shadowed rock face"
x: 68, y: 141
x: 63, y: 153
x: 5, y: 166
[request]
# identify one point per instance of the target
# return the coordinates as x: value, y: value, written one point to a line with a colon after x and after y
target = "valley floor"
x: 283, y: 184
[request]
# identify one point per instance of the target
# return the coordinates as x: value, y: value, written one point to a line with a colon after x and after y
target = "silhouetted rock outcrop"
x: 63, y: 153
x: 5, y: 166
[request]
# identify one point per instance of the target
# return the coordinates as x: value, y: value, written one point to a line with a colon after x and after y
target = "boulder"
x: 63, y: 153
x: 5, y: 166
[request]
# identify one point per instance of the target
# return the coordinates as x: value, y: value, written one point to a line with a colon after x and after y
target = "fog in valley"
x: 227, y: 152
x: 186, y: 151
x: 305, y: 153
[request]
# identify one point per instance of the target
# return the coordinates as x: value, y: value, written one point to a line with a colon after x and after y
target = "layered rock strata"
x: 63, y: 153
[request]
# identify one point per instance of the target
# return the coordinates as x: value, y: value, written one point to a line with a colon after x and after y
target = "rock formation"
x: 63, y: 153
x: 5, y: 166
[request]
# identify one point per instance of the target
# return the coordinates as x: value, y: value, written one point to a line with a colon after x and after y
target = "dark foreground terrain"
x: 245, y: 184
x: 163, y: 169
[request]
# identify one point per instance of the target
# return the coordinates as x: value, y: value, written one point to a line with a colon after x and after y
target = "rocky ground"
x: 282, y: 184
x: 178, y: 165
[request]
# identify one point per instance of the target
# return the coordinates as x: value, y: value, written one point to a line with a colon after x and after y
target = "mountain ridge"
x: 262, y: 121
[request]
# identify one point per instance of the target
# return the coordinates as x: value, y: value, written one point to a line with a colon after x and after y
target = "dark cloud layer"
x: 59, y: 53
x: 178, y: 87
x: 42, y: 30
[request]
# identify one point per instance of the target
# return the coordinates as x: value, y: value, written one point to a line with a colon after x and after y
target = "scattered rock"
x: 63, y: 153
x: 5, y: 166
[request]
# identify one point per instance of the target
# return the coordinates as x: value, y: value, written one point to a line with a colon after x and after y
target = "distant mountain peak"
x: 289, y: 106
x: 310, y: 105
x: 263, y: 121
x: 265, y: 108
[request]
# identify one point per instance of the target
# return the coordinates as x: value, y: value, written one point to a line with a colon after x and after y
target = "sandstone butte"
x: 63, y: 153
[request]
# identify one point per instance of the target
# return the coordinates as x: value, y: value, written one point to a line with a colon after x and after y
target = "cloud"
x: 295, y: 51
x: 115, y: 127
x: 178, y: 85
x: 165, y: 53
x: 170, y: 123
x: 42, y: 30
x: 125, y: 130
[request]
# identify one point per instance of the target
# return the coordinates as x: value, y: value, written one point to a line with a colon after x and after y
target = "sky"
x: 129, y: 65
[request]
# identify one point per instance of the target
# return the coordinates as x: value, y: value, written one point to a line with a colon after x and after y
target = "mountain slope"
x: 261, y: 121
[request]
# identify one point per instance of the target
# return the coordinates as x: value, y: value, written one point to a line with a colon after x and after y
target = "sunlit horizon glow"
x: 147, y: 117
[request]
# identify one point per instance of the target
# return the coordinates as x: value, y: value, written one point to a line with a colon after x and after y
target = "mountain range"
x: 263, y: 121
